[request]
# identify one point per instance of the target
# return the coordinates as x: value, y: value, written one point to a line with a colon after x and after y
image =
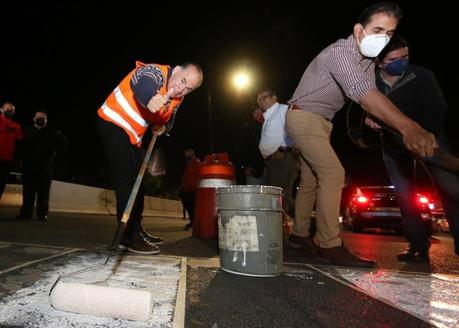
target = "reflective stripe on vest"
x: 128, y: 108
x: 118, y: 119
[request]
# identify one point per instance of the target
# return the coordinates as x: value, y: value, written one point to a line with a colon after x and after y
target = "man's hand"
x: 158, y: 129
x: 159, y: 100
x: 419, y: 141
x: 372, y: 124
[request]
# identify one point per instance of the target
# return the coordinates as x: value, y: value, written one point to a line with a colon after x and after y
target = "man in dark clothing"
x: 416, y: 92
x: 249, y: 159
x: 190, y: 181
x: 39, y: 148
x: 10, y: 133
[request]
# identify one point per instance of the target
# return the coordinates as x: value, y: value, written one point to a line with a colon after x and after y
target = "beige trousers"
x: 322, y: 177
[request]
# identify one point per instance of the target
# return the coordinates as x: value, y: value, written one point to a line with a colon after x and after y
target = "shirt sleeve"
x: 145, y: 83
x: 355, y: 78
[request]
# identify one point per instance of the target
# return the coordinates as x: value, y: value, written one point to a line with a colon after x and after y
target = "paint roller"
x: 105, y: 301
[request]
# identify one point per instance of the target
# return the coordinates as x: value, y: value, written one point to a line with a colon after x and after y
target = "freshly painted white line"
x: 38, y: 260
x: 6, y: 243
x: 179, y: 312
x: 29, y: 307
x: 429, y: 297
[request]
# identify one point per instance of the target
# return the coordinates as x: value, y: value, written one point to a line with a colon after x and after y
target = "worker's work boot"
x: 137, y: 244
x: 151, y: 239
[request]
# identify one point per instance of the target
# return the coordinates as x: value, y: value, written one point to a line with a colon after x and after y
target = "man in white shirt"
x: 281, y: 161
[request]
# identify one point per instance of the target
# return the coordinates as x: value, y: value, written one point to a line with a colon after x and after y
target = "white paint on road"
x: 30, y: 307
x: 431, y: 297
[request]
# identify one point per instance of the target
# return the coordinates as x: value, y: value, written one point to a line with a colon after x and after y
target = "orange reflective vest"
x: 121, y: 108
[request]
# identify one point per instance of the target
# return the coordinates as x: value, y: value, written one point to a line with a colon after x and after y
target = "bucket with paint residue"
x: 250, y: 230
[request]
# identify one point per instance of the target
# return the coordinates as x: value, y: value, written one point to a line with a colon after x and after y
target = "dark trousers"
x: 189, y: 201
x: 124, y: 161
x: 36, y: 183
x: 4, y: 173
x: 400, y: 167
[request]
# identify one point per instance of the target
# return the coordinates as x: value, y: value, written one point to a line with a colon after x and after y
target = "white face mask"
x: 371, y: 45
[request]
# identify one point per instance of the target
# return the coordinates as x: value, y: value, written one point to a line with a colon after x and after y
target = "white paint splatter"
x: 30, y: 307
x: 431, y: 297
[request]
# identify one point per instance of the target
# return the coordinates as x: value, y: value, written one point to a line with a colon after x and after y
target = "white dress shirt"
x: 273, y: 134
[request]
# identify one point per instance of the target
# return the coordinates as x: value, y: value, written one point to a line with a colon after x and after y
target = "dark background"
x: 66, y: 58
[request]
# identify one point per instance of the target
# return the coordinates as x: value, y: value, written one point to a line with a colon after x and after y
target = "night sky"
x: 66, y: 58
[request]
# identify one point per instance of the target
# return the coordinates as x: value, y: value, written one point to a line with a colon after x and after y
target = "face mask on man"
x: 40, y: 121
x: 371, y: 45
x: 8, y: 114
x: 397, y: 67
x: 188, y: 159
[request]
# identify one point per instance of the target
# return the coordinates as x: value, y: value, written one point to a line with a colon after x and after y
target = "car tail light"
x: 362, y: 199
x: 423, y: 199
x: 424, y: 202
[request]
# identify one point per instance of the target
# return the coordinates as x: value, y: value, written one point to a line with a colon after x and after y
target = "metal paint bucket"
x: 250, y: 230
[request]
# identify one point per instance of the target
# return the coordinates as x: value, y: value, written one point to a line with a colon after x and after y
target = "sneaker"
x: 304, y: 243
x: 151, y: 239
x: 189, y: 226
x: 139, y: 245
x: 42, y: 218
x: 413, y: 255
x: 342, y: 256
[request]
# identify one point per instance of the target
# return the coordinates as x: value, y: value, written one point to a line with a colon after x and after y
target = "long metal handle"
x: 126, y: 214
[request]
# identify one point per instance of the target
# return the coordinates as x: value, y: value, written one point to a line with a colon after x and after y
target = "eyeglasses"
x: 260, y: 98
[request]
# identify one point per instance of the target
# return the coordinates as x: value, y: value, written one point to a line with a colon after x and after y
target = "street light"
x: 241, y: 80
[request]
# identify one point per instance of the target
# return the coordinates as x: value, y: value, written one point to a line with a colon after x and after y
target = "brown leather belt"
x: 295, y: 107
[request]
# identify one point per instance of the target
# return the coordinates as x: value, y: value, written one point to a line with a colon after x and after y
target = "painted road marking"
x: 30, y: 307
x: 179, y: 311
x: 38, y: 261
x: 429, y: 297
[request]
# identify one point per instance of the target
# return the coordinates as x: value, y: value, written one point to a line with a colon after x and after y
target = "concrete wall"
x: 70, y: 197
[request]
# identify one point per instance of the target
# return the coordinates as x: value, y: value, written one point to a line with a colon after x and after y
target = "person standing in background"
x: 190, y: 181
x: 39, y: 149
x: 10, y: 133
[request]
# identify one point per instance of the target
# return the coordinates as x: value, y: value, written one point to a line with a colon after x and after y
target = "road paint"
x: 16, y: 267
x: 30, y: 307
x: 429, y: 297
x: 179, y: 313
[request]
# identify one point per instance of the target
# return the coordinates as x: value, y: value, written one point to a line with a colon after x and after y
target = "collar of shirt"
x: 269, y: 112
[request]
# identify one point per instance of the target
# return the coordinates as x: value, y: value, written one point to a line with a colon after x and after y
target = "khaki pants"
x: 322, y: 177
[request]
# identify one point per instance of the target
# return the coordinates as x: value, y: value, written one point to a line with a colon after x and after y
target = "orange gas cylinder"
x: 216, y: 171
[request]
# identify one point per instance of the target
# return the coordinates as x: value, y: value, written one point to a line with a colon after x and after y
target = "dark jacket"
x: 417, y: 95
x: 247, y: 152
x: 40, y: 146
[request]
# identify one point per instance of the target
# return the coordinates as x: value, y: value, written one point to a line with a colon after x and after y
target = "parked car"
x: 377, y: 207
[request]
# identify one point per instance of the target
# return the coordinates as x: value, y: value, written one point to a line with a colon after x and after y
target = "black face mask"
x: 188, y: 159
x: 8, y: 113
x: 40, y: 121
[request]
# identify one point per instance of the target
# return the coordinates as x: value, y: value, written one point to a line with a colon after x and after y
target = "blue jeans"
x: 400, y: 167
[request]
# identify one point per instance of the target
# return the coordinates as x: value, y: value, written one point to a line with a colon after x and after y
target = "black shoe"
x: 139, y: 245
x: 303, y: 243
x: 342, y: 256
x: 189, y: 226
x: 413, y: 255
x: 151, y: 239
x: 42, y: 218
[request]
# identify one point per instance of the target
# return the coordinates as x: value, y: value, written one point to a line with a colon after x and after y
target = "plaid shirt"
x: 339, y: 71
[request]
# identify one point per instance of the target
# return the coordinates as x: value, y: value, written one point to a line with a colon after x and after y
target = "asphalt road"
x: 306, y: 294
